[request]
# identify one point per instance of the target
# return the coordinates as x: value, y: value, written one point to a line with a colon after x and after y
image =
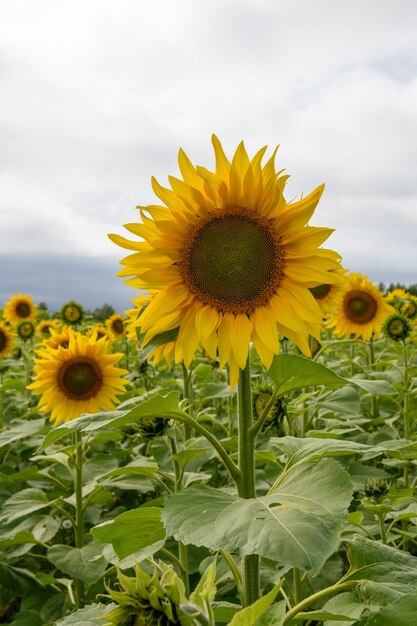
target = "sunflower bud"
x: 376, y: 488
x: 276, y: 414
x: 153, y: 600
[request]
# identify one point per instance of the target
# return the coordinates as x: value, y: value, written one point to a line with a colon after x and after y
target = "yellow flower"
x: 164, y: 351
x: 72, y: 313
x: 25, y: 329
x: 79, y: 379
x: 20, y: 307
x: 328, y: 296
x: 116, y: 325
x: 6, y: 340
x: 363, y: 309
x: 45, y: 327
x: 98, y: 331
x: 409, y: 307
x: 58, y: 338
x: 231, y: 261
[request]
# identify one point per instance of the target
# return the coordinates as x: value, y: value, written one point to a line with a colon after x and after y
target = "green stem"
x: 246, y: 484
x: 182, y: 548
x: 186, y: 378
x: 298, y: 593
x: 317, y: 596
x: 1, y: 400
x: 233, y: 568
x: 382, y: 529
x: 406, y: 412
x: 374, y: 399
x: 79, y: 510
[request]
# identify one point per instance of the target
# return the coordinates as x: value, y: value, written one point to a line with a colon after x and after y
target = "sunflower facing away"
x: 79, y: 379
x: 328, y: 296
x: 232, y: 261
x: 20, y: 307
x: 362, y: 311
x: 6, y: 340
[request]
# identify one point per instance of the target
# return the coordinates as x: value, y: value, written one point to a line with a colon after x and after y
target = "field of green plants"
x: 287, y: 500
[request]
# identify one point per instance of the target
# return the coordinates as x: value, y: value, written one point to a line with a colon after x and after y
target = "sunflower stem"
x: 374, y: 399
x: 1, y: 400
x: 246, y: 484
x: 182, y: 548
x: 79, y: 510
x: 406, y: 411
x: 186, y: 379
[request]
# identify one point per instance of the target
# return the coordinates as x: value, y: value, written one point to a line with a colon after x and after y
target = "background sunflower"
x: 19, y: 307
x: 79, y: 379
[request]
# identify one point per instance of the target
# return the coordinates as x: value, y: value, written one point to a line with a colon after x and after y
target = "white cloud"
x: 100, y: 95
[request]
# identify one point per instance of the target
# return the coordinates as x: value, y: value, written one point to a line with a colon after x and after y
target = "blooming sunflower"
x: 232, y: 261
x: 57, y: 338
x: 19, y: 307
x: 72, y: 313
x: 116, y: 325
x: 25, y: 329
x: 327, y: 295
x: 79, y: 379
x: 6, y: 340
x: 397, y: 327
x: 363, y: 309
x: 98, y: 331
x: 44, y: 327
x: 408, y: 307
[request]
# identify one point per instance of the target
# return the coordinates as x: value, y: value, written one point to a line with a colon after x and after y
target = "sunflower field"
x: 237, y: 448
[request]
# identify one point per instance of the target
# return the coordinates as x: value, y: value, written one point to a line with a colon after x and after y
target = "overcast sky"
x: 97, y: 96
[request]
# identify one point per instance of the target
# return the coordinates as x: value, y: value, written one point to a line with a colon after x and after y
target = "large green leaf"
x: 132, y: 531
x: 141, y: 466
x: 290, y: 372
x: 86, y: 564
x: 402, y: 612
x: 151, y: 404
x: 386, y: 573
x: 20, y: 429
x: 297, y: 525
x: 298, y: 450
x: 17, y: 579
x: 22, y: 503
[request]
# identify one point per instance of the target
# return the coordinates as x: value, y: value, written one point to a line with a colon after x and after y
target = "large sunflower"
x: 231, y: 260
x: 20, y: 307
x: 6, y: 340
x: 79, y: 379
x: 362, y: 311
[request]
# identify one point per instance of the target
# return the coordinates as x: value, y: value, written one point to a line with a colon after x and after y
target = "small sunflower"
x: 396, y: 294
x: 116, y: 325
x: 328, y: 295
x: 363, y: 309
x: 19, y: 307
x: 79, y: 379
x: 58, y: 338
x: 408, y: 307
x: 232, y: 261
x: 6, y: 339
x: 397, y: 327
x: 44, y: 327
x: 26, y: 330
x: 98, y: 331
x: 72, y: 313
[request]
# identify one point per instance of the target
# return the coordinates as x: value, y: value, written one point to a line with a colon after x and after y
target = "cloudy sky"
x: 98, y: 95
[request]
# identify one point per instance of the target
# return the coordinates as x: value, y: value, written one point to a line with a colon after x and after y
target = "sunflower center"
x: 22, y: 309
x: 25, y: 329
x: 396, y: 327
x: 80, y: 378
x: 321, y: 291
x: 118, y: 326
x: 3, y: 340
x: 360, y: 307
x: 233, y: 260
x: 72, y: 313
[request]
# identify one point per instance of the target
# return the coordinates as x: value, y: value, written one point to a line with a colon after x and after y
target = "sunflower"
x: 19, y: 307
x: 79, y: 379
x: 231, y: 261
x: 164, y: 351
x: 397, y: 327
x: 363, y: 309
x: 72, y: 313
x: 408, y: 307
x: 396, y: 294
x: 44, y: 327
x: 57, y: 338
x: 6, y: 340
x: 116, y: 325
x: 327, y: 295
x: 98, y: 331
x: 26, y: 330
